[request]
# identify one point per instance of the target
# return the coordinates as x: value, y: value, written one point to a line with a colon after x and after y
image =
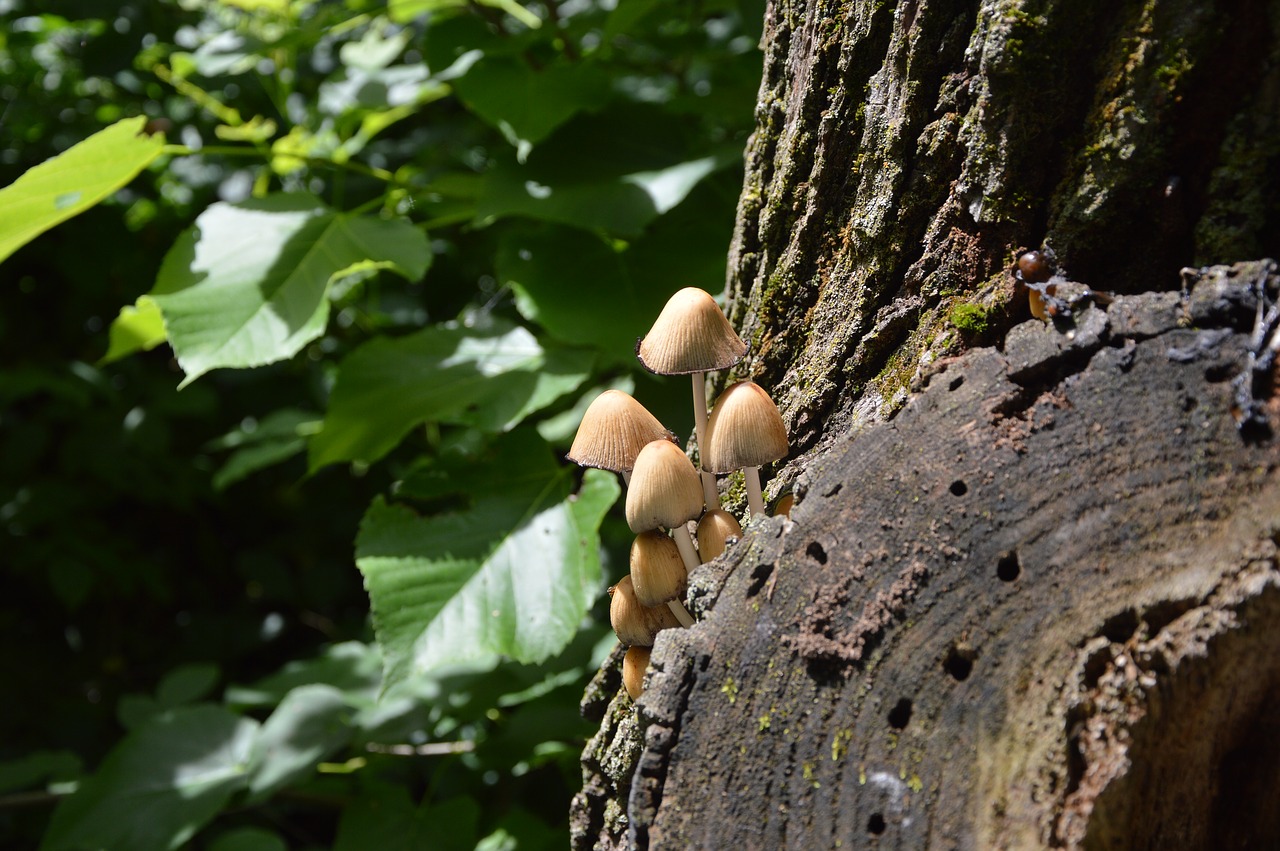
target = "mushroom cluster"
x: 665, y: 492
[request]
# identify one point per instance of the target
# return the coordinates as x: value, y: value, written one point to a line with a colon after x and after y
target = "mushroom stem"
x: 685, y: 543
x: 710, y: 493
x: 682, y: 614
x: 755, y: 497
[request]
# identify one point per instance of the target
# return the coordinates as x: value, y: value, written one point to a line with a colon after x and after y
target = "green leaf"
x: 526, y: 104
x: 386, y: 819
x: 514, y: 574
x: 491, y: 377
x: 25, y: 772
x: 585, y: 291
x: 248, y: 839
x: 159, y: 785
x: 187, y: 683
x: 307, y: 726
x: 352, y: 666
x: 138, y: 328
x: 281, y: 435
x: 248, y: 284
x: 74, y: 181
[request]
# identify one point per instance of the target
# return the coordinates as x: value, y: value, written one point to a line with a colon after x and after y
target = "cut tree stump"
x: 1039, y: 607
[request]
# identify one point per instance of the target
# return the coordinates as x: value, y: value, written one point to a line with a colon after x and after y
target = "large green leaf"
x: 512, y: 574
x: 525, y: 103
x: 492, y: 377
x: 74, y: 181
x: 158, y: 786
x: 248, y: 284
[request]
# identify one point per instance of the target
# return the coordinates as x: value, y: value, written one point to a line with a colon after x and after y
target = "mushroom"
x: 665, y: 492
x: 715, y: 529
x: 636, y: 624
x: 614, y: 429
x: 690, y: 337
x: 658, y: 574
x: 744, y: 432
x: 634, y: 664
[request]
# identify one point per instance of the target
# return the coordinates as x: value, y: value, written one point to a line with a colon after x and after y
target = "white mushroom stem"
x: 690, y: 557
x: 755, y: 496
x: 710, y: 493
x: 682, y: 614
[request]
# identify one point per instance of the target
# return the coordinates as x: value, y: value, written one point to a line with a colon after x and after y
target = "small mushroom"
x: 744, y: 432
x: 715, y: 529
x: 665, y: 492
x: 614, y: 429
x: 691, y: 337
x: 658, y: 574
x: 636, y: 624
x: 634, y: 665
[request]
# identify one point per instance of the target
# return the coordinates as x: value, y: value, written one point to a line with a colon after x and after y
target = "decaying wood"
x: 1039, y: 607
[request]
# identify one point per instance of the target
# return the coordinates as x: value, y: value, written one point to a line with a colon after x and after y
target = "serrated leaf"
x: 74, y: 181
x: 138, y: 328
x: 490, y: 377
x: 248, y: 285
x: 513, y: 575
x: 159, y: 785
x: 308, y: 725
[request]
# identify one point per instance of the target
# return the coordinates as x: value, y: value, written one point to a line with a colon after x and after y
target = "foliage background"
x: 191, y: 658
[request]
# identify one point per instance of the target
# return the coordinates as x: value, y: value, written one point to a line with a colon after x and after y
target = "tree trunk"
x: 1029, y: 594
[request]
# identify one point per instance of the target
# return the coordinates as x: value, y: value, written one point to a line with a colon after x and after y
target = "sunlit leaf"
x: 248, y: 285
x: 492, y: 377
x: 159, y: 785
x: 513, y: 574
x: 307, y: 726
x: 74, y: 181
x: 138, y: 328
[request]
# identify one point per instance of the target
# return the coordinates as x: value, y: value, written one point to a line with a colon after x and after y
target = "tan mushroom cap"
x: 665, y: 489
x: 636, y: 624
x: 690, y: 335
x: 657, y: 569
x: 614, y: 429
x: 715, y: 529
x: 634, y: 665
x: 745, y: 430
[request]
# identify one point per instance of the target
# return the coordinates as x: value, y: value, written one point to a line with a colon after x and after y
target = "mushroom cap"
x: 634, y: 665
x: 636, y: 624
x: 614, y: 429
x: 657, y: 569
x: 690, y: 335
x: 715, y: 529
x: 744, y: 430
x: 665, y: 490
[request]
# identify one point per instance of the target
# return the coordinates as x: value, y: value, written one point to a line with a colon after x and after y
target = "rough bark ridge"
x: 1040, y: 607
x: 906, y: 151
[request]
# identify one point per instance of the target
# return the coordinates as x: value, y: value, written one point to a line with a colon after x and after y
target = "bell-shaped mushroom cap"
x: 690, y: 335
x: 715, y: 529
x: 657, y: 569
x: 634, y: 623
x: 614, y: 429
x: 634, y: 665
x: 665, y: 489
x: 745, y: 430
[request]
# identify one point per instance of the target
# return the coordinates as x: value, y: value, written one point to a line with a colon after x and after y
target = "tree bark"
x: 1029, y: 594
